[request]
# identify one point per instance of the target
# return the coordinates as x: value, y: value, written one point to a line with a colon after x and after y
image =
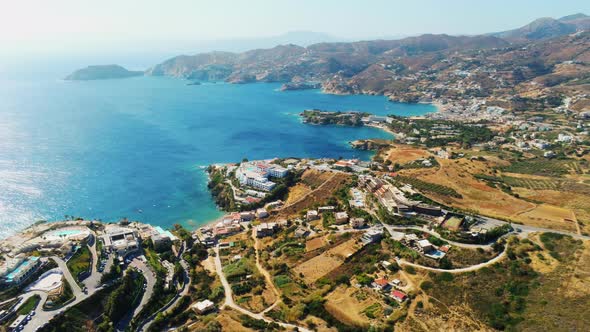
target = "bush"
x: 426, y: 285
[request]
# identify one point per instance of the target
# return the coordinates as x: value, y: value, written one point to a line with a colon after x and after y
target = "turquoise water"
x: 67, y: 232
x: 136, y: 147
x: 20, y: 267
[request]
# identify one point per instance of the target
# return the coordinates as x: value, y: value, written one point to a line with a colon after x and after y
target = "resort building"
x: 120, y: 240
x: 256, y: 174
x: 22, y: 271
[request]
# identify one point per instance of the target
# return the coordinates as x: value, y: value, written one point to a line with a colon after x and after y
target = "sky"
x: 78, y: 26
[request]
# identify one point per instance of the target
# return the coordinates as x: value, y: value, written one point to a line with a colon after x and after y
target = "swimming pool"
x: 161, y: 231
x: 67, y: 233
x: 436, y: 254
x: 17, y: 272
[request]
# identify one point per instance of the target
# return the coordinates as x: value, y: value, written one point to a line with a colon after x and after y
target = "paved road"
x: 42, y: 317
x: 150, y: 283
x: 476, y: 267
x: 176, y: 301
x: 66, y: 272
x: 93, y: 281
x: 229, y: 301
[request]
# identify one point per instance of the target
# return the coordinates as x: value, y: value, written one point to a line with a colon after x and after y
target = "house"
x: 247, y: 216
x: 203, y: 307
x: 328, y: 208
x: 312, y: 215
x: 266, y: 229
x: 371, y: 236
x: 161, y: 242
x: 357, y: 222
x: 301, y: 232
x: 261, y: 213
x: 381, y: 284
x: 399, y: 296
x: 424, y: 245
x: 341, y: 218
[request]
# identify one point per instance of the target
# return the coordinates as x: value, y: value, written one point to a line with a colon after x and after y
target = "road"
x: 471, y: 268
x: 150, y: 283
x: 176, y: 300
x: 265, y: 273
x: 229, y: 301
x: 93, y: 281
x: 42, y: 316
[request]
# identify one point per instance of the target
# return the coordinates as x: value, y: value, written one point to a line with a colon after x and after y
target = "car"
x: 33, y: 313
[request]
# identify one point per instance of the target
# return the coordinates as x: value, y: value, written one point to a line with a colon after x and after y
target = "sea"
x: 137, y: 148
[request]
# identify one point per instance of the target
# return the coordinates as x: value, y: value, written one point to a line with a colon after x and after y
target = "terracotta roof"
x: 381, y: 282
x: 398, y: 294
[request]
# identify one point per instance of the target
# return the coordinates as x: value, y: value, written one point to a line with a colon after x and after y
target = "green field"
x: 80, y: 262
x: 29, y: 305
x: 428, y: 187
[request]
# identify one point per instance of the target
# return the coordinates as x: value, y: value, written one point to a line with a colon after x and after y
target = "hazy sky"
x: 84, y: 25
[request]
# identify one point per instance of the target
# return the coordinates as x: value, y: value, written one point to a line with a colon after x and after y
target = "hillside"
x: 548, y: 56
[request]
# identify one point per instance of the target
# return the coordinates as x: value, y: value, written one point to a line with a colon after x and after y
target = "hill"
x: 547, y: 27
x: 101, y: 72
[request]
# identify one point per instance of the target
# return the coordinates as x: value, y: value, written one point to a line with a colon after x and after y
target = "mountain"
x: 315, y: 62
x: 101, y: 72
x: 581, y: 21
x: 547, y: 27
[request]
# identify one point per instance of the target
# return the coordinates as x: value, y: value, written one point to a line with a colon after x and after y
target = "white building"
x: 256, y: 174
x: 120, y: 240
x: 23, y: 270
x: 203, y: 306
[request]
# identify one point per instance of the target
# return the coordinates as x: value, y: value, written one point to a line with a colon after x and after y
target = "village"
x: 361, y: 228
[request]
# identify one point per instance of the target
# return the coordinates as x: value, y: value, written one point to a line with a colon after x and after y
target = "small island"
x: 300, y: 86
x: 102, y: 72
x: 320, y: 117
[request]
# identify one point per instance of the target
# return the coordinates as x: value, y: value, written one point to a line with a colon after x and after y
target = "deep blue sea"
x: 135, y: 147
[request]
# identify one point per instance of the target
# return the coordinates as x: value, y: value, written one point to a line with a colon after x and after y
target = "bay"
x: 137, y: 147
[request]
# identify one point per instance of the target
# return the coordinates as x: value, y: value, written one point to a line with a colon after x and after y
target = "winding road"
x: 229, y: 301
x: 402, y: 262
x: 42, y: 316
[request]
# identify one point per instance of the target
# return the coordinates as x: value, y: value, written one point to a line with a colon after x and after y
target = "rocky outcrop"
x: 367, y: 144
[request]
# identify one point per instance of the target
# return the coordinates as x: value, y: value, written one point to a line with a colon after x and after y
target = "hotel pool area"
x: 21, y: 270
x: 69, y: 233
x: 161, y: 231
